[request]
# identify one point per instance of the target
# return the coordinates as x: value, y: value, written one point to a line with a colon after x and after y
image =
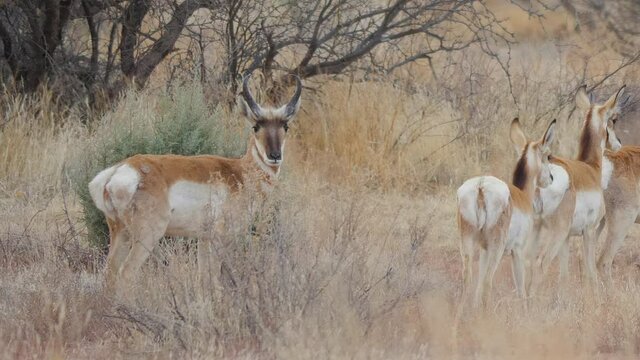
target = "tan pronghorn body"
x: 496, y: 217
x: 621, y: 186
x: 146, y: 197
x: 574, y: 204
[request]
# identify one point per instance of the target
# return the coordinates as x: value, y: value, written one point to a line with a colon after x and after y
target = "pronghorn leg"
x: 559, y: 244
x: 557, y: 239
x: 517, y: 268
x: 208, y: 265
x: 145, y: 236
x: 531, y: 251
x: 494, y: 254
x: 113, y: 231
x: 119, y: 248
x: 496, y: 241
x: 467, y: 246
x: 603, y: 222
x: 619, y: 221
x: 563, y: 261
x: 589, y: 257
x: 518, y: 272
x: 483, y: 265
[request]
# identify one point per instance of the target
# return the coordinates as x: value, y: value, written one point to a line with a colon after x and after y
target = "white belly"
x: 588, y: 212
x: 195, y: 207
x: 519, y: 229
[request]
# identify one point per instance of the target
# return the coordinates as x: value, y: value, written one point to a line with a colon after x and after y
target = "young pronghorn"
x: 621, y: 186
x: 496, y: 216
x: 146, y: 197
x: 574, y: 205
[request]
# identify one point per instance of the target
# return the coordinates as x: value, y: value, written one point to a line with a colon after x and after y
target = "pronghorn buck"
x: 146, y: 197
x: 496, y: 216
x: 621, y: 186
x: 574, y: 204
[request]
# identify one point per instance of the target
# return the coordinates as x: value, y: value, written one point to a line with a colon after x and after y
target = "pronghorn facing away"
x: 495, y: 216
x: 621, y: 186
x: 574, y: 205
x: 146, y: 197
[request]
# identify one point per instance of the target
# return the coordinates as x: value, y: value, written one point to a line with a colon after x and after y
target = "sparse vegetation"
x: 354, y: 255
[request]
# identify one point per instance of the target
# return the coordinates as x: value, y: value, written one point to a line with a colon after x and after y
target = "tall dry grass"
x: 355, y: 254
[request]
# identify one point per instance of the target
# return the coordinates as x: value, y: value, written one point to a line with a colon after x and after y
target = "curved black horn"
x: 246, y: 94
x: 292, y: 106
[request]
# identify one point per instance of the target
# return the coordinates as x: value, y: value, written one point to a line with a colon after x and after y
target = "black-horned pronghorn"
x: 495, y: 216
x: 574, y: 204
x: 146, y: 197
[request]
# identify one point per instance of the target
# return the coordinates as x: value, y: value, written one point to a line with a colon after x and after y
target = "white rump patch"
x: 194, y: 207
x: 122, y: 186
x: 496, y: 198
x: 607, y: 171
x: 96, y: 190
x: 550, y: 197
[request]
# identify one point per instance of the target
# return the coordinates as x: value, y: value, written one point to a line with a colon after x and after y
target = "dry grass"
x: 354, y: 256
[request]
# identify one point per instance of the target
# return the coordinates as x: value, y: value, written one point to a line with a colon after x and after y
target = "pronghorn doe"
x: 574, y: 204
x: 621, y: 186
x: 496, y: 216
x: 146, y: 197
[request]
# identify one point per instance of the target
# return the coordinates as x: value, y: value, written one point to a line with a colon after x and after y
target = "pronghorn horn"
x: 246, y: 94
x: 291, y: 107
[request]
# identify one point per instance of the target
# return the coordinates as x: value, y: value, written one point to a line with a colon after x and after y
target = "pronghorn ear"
x: 547, y: 138
x: 582, y: 98
x: 517, y: 136
x: 622, y: 103
x: 615, y: 100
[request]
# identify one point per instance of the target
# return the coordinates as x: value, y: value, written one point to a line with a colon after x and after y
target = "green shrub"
x: 178, y: 122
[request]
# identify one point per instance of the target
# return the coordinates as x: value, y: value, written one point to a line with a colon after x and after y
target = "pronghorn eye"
x: 285, y: 127
x: 256, y: 128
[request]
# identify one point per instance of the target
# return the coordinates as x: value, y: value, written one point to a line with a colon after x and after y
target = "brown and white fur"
x: 495, y: 216
x: 574, y: 204
x: 146, y: 197
x: 621, y: 186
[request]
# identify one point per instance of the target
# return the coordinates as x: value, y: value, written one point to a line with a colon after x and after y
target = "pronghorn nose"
x: 275, y: 156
